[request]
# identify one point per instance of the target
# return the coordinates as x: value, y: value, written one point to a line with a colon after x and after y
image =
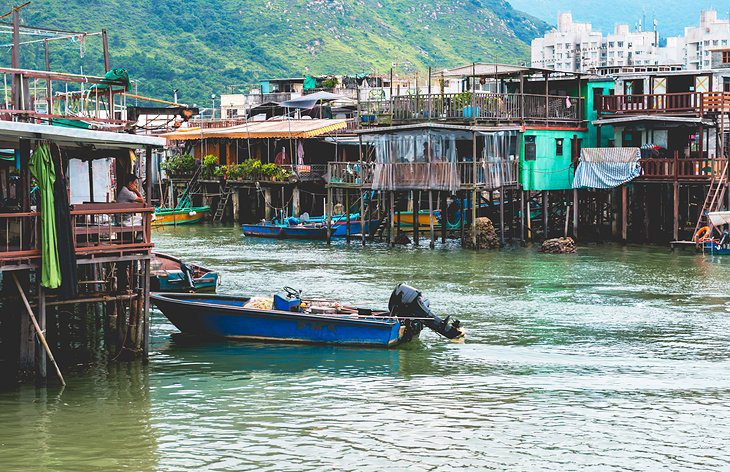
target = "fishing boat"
x: 713, y: 239
x: 170, y: 274
x: 291, y: 318
x: 316, y: 231
x: 179, y: 216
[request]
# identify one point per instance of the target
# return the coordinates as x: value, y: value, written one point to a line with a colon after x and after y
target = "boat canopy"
x: 719, y: 218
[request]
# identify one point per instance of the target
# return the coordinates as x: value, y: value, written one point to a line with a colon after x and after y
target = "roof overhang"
x: 11, y: 132
x: 655, y: 120
x: 484, y: 69
x: 436, y: 126
x: 284, y: 129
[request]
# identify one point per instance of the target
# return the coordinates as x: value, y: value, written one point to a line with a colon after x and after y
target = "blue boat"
x: 292, y: 319
x: 309, y: 231
x: 170, y: 274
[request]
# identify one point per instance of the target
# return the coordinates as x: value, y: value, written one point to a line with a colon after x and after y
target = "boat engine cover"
x: 407, y: 302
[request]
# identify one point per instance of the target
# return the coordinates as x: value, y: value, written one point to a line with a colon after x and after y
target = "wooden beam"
x: 624, y: 213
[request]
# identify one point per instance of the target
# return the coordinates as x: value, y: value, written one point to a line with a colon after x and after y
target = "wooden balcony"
x: 101, y: 231
x: 681, y: 169
x: 479, y: 107
x: 685, y: 104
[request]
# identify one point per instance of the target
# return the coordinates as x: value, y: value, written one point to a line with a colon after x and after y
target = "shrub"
x: 179, y: 164
x: 210, y: 163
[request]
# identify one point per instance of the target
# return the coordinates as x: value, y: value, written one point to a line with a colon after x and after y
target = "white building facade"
x: 575, y: 47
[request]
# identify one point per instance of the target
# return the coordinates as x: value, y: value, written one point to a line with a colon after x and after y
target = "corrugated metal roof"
x: 12, y: 131
x: 291, y: 129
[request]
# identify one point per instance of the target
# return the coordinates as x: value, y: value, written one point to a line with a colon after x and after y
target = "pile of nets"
x: 558, y: 246
x: 486, y: 235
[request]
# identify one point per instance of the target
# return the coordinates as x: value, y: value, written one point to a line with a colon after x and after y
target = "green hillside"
x: 200, y: 47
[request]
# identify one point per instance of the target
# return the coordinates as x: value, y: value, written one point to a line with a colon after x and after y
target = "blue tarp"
x: 607, y: 167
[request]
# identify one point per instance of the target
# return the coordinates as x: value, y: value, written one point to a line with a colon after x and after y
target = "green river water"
x: 612, y: 359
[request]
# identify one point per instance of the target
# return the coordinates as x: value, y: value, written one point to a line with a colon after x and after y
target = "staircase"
x: 226, y: 193
x: 714, y: 199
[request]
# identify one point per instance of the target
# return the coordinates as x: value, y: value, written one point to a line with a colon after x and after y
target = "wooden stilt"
x: 347, y: 215
x: 39, y: 331
x: 624, y: 213
x: 444, y: 215
x: 474, y: 217
x: 391, y: 233
x: 329, y: 215
x: 575, y: 214
x: 463, y: 202
x: 40, y: 355
x: 545, y: 214
x: 363, y: 226
x: 416, y: 195
x: 430, y: 219
x: 675, y: 228
x: 501, y: 215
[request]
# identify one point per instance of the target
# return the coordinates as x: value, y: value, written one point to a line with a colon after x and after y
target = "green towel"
x: 41, y: 167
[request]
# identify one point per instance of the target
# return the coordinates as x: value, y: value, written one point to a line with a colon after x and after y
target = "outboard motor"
x: 407, y: 302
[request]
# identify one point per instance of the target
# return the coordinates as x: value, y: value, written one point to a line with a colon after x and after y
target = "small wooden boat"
x: 294, y: 319
x: 170, y: 274
x: 179, y: 216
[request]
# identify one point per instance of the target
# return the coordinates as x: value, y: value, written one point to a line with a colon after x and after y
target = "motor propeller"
x: 407, y: 302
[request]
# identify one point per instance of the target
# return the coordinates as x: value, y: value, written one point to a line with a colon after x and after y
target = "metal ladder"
x: 226, y: 193
x: 714, y: 198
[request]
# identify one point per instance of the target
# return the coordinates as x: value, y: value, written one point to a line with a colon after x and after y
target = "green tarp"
x: 310, y: 83
x: 114, y: 76
x: 41, y: 167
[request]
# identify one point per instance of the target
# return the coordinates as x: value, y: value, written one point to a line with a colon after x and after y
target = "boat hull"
x: 187, y: 216
x: 311, y: 233
x: 220, y: 316
x: 167, y: 275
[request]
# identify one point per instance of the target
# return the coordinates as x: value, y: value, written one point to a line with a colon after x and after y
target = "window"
x: 558, y: 146
x: 726, y: 57
x: 530, y: 148
x: 620, y: 44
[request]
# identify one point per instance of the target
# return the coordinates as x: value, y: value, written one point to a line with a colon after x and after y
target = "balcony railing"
x: 680, y: 103
x: 307, y: 172
x: 491, y: 107
x: 681, y: 169
x: 97, y: 229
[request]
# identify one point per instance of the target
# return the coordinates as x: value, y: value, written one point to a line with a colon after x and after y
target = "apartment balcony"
x: 678, y: 169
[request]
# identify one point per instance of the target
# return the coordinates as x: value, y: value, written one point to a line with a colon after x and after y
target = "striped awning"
x: 286, y: 129
x: 607, y: 167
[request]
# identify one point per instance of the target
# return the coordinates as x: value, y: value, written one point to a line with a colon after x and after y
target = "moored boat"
x: 307, y: 231
x: 294, y: 319
x: 170, y: 274
x: 179, y: 216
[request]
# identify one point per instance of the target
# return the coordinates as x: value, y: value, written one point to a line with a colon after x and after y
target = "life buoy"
x: 702, y: 234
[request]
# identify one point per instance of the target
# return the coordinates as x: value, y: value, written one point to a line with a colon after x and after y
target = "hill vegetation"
x: 202, y: 46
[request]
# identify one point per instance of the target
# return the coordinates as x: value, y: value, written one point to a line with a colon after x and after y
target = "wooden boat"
x: 179, y: 216
x: 294, y: 319
x: 170, y: 274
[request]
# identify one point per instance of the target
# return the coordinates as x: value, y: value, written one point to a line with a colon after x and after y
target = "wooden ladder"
x: 713, y: 199
x: 226, y: 193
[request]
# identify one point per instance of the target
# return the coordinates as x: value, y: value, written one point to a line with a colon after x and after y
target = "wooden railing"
x: 350, y: 173
x: 692, y: 103
x: 306, y: 172
x: 681, y: 169
x: 97, y: 228
x: 482, y: 107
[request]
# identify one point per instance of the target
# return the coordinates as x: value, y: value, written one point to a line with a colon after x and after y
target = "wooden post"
x: 38, y: 330
x: 91, y: 180
x: 523, y: 214
x: 49, y: 83
x: 474, y: 184
x: 146, y: 308
x: 474, y: 202
x: 267, y: 203
x: 501, y: 214
x: 347, y: 215
x: 236, y: 203
x: 430, y: 218
x: 675, y: 230
x: 391, y: 232
x: 624, y: 213
x: 295, y: 201
x: 40, y: 355
x: 416, y: 195
x: 545, y: 213
x: 444, y: 216
x: 329, y: 215
x: 575, y: 213
x: 105, y: 47
x: 363, y: 225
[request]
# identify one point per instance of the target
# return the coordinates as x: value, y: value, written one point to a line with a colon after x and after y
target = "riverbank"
x: 615, y: 357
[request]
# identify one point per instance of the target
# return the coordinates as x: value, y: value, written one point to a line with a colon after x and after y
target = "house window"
x: 726, y: 57
x: 530, y: 148
x: 558, y: 146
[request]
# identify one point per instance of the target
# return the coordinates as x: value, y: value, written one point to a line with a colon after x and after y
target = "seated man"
x: 129, y: 193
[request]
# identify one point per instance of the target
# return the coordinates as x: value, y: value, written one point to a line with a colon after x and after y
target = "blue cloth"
x: 607, y: 167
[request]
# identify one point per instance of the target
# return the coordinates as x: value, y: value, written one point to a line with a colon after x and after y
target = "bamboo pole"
x: 38, y: 330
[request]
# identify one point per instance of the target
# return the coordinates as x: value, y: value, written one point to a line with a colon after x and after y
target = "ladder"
x: 226, y: 193
x: 713, y: 199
